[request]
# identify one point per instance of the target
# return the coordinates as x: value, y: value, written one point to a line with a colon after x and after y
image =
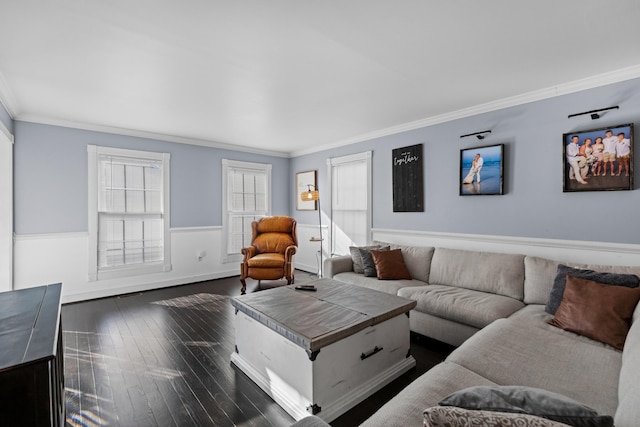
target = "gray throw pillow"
x: 528, y: 400
x: 560, y: 282
x: 356, y: 258
x: 368, y: 265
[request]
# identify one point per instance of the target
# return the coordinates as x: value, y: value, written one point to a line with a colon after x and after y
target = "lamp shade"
x: 308, y: 196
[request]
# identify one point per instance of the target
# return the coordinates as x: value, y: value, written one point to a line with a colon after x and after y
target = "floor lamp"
x: 310, y: 196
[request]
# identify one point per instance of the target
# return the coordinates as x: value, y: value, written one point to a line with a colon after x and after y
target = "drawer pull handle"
x: 375, y: 350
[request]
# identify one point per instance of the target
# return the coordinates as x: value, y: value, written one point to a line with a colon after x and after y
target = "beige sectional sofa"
x: 492, y: 306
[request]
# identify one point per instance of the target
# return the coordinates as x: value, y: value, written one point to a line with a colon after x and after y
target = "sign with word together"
x: 408, y: 185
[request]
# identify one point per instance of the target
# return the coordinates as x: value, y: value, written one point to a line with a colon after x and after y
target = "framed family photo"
x: 481, y: 170
x: 598, y: 159
x: 303, y: 181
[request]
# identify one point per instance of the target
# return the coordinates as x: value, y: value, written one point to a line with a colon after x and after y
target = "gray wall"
x: 534, y: 204
x: 50, y: 178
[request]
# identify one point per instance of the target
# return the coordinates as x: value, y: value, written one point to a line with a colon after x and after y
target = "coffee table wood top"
x: 314, y: 320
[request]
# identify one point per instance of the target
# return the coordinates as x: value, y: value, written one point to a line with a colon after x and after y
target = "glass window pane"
x: 134, y: 177
x: 261, y: 203
x: 249, y: 183
x: 249, y: 202
x: 153, y: 201
x: 135, y: 201
x: 153, y: 177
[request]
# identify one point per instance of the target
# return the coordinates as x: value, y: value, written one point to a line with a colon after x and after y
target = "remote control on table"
x: 306, y: 288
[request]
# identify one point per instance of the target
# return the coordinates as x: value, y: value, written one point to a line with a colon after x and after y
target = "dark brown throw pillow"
x: 390, y: 265
x: 597, y: 311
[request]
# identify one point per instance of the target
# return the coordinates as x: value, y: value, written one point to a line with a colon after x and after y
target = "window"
x: 350, y: 183
x: 128, y: 212
x: 246, y: 196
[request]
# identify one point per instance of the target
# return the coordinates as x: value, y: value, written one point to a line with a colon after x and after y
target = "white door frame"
x: 6, y: 209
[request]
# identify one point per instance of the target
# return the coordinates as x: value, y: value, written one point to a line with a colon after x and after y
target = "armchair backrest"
x: 274, y: 234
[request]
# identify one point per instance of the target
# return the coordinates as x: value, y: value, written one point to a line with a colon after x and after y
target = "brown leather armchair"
x: 270, y: 256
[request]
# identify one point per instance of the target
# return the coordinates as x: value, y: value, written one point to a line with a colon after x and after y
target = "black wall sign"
x: 407, y: 179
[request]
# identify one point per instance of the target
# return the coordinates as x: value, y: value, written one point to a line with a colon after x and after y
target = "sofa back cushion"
x: 416, y: 258
x: 501, y: 274
x: 628, y: 412
x: 540, y: 274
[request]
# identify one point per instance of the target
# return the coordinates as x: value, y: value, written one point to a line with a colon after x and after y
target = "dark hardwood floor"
x: 161, y: 358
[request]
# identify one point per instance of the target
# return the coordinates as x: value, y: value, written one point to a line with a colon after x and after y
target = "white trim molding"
x: 6, y: 211
x: 7, y: 99
x: 577, y: 251
x: 4, y: 131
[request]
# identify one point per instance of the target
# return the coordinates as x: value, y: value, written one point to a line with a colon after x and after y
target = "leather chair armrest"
x: 289, y: 253
x: 289, y: 265
x: 249, y: 252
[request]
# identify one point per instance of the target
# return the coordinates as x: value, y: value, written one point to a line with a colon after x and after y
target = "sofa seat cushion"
x: 525, y: 350
x: 461, y: 305
x: 407, y: 407
x: 269, y: 260
x: 388, y: 286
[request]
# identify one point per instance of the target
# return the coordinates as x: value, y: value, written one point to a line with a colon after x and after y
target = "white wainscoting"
x: 558, y: 250
x: 62, y: 257
x: 196, y: 253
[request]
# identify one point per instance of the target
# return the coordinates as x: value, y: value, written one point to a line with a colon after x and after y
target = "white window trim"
x: 236, y: 164
x: 334, y: 161
x: 94, y: 153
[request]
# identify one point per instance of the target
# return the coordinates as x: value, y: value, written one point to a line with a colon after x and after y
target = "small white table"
x: 322, y: 352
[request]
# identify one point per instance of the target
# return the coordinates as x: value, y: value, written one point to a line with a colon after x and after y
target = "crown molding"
x: 8, y: 101
x: 147, y: 135
x: 525, y: 98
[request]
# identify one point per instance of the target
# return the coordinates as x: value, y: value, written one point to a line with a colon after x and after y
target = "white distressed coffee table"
x: 322, y: 352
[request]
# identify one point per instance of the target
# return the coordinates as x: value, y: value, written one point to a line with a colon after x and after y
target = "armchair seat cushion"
x: 268, y: 260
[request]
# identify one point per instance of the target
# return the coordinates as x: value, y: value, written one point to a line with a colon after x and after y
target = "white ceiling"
x: 294, y: 75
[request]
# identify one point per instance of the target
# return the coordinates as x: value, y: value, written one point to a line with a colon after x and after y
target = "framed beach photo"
x: 304, y: 182
x: 598, y: 159
x: 481, y: 170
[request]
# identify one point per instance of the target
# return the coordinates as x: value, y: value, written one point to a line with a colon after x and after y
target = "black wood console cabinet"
x: 31, y: 358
